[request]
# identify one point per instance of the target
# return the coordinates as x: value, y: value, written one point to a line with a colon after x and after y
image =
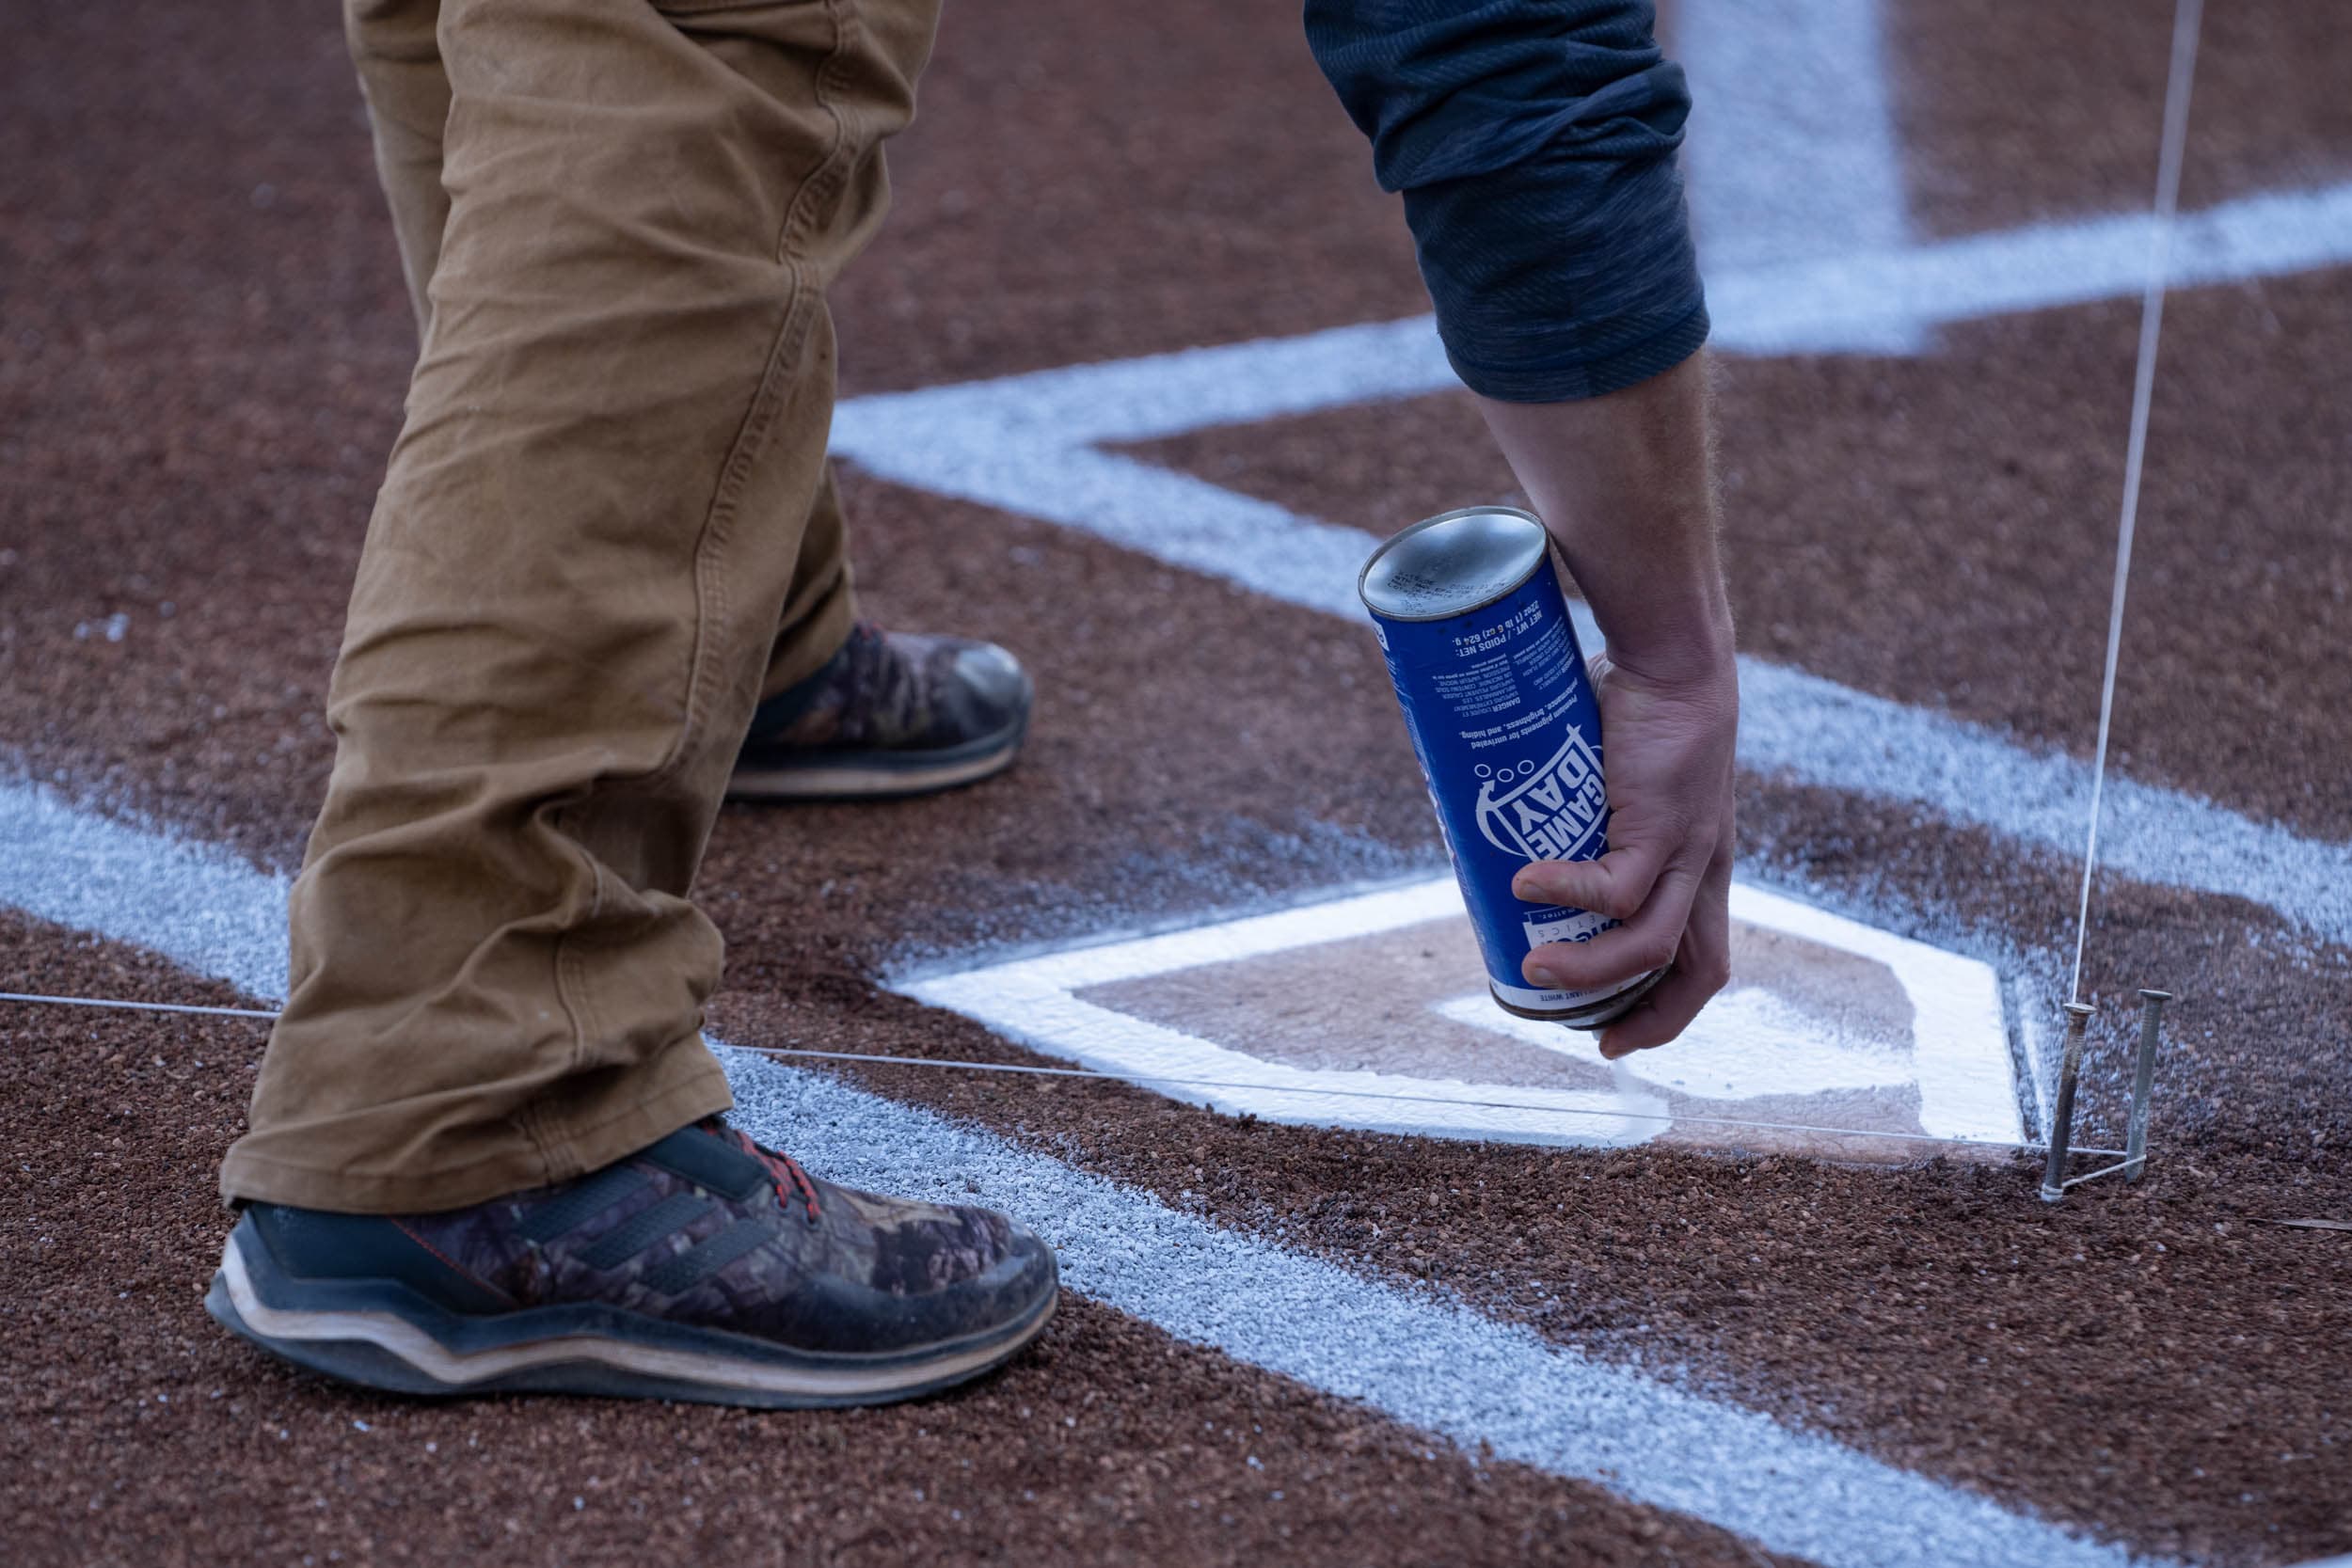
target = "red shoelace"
x: 785, y: 1171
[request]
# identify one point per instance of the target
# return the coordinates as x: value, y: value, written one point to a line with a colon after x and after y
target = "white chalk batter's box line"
x: 1960, y: 1062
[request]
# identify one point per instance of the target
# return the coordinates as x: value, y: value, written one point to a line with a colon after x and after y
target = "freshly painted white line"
x: 1961, y: 1059
x: 1748, y: 1043
x: 1419, y: 1356
x: 2033, y: 1040
x: 201, y: 907
x: 1815, y: 731
x: 1026, y: 1007
x: 1223, y: 941
x: 1793, y: 152
x: 1959, y: 1040
x: 1784, y: 308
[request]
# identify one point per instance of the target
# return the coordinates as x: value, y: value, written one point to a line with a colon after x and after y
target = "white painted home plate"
x: 1834, y: 1038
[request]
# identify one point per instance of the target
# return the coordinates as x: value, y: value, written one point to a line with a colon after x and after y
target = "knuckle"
x: 1618, y: 902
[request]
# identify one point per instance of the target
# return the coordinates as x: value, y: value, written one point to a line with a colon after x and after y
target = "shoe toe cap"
x: 990, y: 684
x: 996, y: 1274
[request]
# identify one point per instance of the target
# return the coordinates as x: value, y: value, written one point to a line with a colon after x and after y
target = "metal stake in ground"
x: 2062, y: 1114
x: 2143, y: 1080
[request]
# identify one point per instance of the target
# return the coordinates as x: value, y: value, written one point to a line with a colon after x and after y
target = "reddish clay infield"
x: 196, y: 393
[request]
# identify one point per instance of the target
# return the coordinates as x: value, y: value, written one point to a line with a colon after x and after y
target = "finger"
x: 1646, y: 942
x: 1676, y: 1001
x: 1702, y: 966
x: 1616, y: 884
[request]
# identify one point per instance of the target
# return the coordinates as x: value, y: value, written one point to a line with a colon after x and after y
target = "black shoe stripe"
x: 645, y: 1227
x: 698, y: 1262
x: 580, y: 1202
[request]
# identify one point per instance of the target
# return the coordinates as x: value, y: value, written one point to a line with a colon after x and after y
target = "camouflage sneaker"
x: 891, y: 714
x: 702, y: 1268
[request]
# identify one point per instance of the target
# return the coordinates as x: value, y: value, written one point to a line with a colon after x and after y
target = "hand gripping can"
x: 1503, y: 718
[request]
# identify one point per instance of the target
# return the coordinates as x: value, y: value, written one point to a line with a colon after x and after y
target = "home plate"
x: 1834, y: 1038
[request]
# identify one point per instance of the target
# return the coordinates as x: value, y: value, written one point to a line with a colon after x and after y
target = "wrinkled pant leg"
x: 586, y: 539
x: 397, y: 56
x: 817, y: 616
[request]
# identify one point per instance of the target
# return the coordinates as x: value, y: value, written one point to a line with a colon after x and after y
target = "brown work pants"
x: 618, y: 219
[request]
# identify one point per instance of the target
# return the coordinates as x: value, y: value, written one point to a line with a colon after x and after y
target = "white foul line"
x: 1416, y: 1355
x: 1027, y: 444
x: 1793, y: 152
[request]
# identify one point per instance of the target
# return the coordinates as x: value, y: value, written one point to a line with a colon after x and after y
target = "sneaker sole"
x: 881, y: 775
x: 548, y: 1351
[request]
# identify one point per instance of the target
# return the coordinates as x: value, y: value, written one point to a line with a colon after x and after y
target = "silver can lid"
x: 1452, y: 564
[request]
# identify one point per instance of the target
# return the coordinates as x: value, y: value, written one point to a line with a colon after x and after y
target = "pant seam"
x: 573, y: 993
x: 833, y: 170
x: 759, y: 419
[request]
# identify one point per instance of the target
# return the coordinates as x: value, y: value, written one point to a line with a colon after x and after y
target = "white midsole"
x: 861, y: 780
x: 400, y: 1338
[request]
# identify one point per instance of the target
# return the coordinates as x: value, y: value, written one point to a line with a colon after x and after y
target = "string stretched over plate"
x: 1026, y: 1069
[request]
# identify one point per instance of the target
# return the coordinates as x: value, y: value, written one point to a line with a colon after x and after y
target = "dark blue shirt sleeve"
x: 1534, y: 141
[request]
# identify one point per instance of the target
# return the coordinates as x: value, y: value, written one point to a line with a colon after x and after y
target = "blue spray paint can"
x: 1504, y: 721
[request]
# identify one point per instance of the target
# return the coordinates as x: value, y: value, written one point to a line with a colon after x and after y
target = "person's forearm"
x: 1623, y: 482
x: 1625, y: 485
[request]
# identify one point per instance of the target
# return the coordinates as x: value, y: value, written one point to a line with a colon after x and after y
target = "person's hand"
x: 1623, y: 482
x: 1666, y: 751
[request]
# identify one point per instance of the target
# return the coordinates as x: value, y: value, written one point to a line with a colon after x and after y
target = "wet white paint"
x: 1748, y: 1043
x: 1958, y: 1058
x: 1959, y: 1042
x: 1416, y: 1355
x: 2035, y: 1046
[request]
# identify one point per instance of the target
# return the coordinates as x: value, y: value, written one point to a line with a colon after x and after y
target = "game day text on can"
x: 1502, y: 716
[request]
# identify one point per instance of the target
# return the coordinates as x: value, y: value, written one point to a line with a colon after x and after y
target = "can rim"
x: 1393, y: 540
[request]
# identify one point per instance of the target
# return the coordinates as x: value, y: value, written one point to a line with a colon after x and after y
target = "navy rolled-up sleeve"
x: 1534, y: 141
